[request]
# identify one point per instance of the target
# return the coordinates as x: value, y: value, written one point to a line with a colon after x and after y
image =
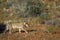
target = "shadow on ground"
x: 32, y: 30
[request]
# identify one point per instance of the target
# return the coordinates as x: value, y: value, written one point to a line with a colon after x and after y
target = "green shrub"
x: 33, y: 8
x: 50, y: 28
x: 1, y: 1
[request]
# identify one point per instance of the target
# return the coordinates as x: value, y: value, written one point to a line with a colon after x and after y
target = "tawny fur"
x: 14, y: 25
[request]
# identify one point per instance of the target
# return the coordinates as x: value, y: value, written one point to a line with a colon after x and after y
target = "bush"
x: 2, y: 0
x: 33, y: 8
x: 50, y: 29
x: 50, y: 22
x: 8, y: 4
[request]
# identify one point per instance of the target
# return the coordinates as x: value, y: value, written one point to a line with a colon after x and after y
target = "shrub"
x: 50, y: 22
x: 1, y: 1
x: 33, y: 8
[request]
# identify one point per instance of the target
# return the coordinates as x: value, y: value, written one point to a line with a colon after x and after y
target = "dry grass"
x: 36, y: 32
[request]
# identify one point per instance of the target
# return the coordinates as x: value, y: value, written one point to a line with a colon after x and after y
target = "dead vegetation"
x: 43, y: 19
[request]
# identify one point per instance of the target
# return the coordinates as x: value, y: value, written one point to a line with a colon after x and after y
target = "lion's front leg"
x: 24, y: 30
